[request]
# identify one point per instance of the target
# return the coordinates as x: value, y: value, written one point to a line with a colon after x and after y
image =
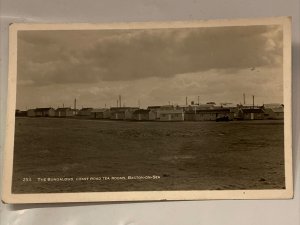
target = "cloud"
x: 154, y: 66
x: 70, y: 57
x: 212, y: 85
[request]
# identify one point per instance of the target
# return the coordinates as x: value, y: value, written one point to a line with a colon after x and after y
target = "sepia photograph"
x: 149, y: 111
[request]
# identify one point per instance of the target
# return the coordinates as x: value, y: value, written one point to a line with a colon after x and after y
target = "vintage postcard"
x: 149, y: 111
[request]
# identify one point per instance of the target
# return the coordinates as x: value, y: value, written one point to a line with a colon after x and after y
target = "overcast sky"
x: 152, y: 66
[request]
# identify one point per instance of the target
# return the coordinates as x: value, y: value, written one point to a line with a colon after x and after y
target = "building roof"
x: 86, y: 109
x: 63, y: 109
x: 42, y: 109
x: 167, y: 107
x: 122, y: 109
x: 228, y: 105
x: 216, y: 110
x: 273, y: 105
x: 253, y: 110
x: 99, y: 110
x: 278, y: 110
x: 154, y: 107
x: 20, y: 111
x: 181, y: 107
x: 142, y: 111
x: 203, y: 106
x: 116, y: 108
x: 170, y: 111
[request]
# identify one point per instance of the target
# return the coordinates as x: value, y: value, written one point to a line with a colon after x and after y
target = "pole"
x: 75, y: 106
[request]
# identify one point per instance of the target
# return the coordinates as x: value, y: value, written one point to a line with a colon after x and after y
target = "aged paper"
x: 149, y: 111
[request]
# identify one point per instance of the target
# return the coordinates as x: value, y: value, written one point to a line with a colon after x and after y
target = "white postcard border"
x: 9, y: 197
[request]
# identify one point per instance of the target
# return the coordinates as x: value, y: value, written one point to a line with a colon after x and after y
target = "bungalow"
x: 44, y: 112
x: 64, y: 112
x: 100, y: 113
x: 216, y: 114
x: 171, y: 115
x: 165, y: 108
x: 154, y: 107
x: 200, y: 107
x: 182, y: 107
x: 251, y: 113
x: 155, y: 110
x: 20, y: 113
x: 144, y: 114
x: 233, y: 109
x: 274, y: 111
x: 31, y: 112
x: 122, y: 113
x: 85, y: 112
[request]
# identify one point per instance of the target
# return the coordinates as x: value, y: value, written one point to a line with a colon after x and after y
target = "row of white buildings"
x: 201, y: 112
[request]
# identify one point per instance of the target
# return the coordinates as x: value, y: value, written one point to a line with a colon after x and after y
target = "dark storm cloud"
x: 56, y: 57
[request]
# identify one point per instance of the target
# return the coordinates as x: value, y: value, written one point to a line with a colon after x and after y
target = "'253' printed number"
x: 26, y: 179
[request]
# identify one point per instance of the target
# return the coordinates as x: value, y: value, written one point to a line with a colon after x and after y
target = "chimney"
x: 198, y: 100
x: 244, y: 96
x: 253, y: 100
x: 186, y: 101
x: 120, y: 100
